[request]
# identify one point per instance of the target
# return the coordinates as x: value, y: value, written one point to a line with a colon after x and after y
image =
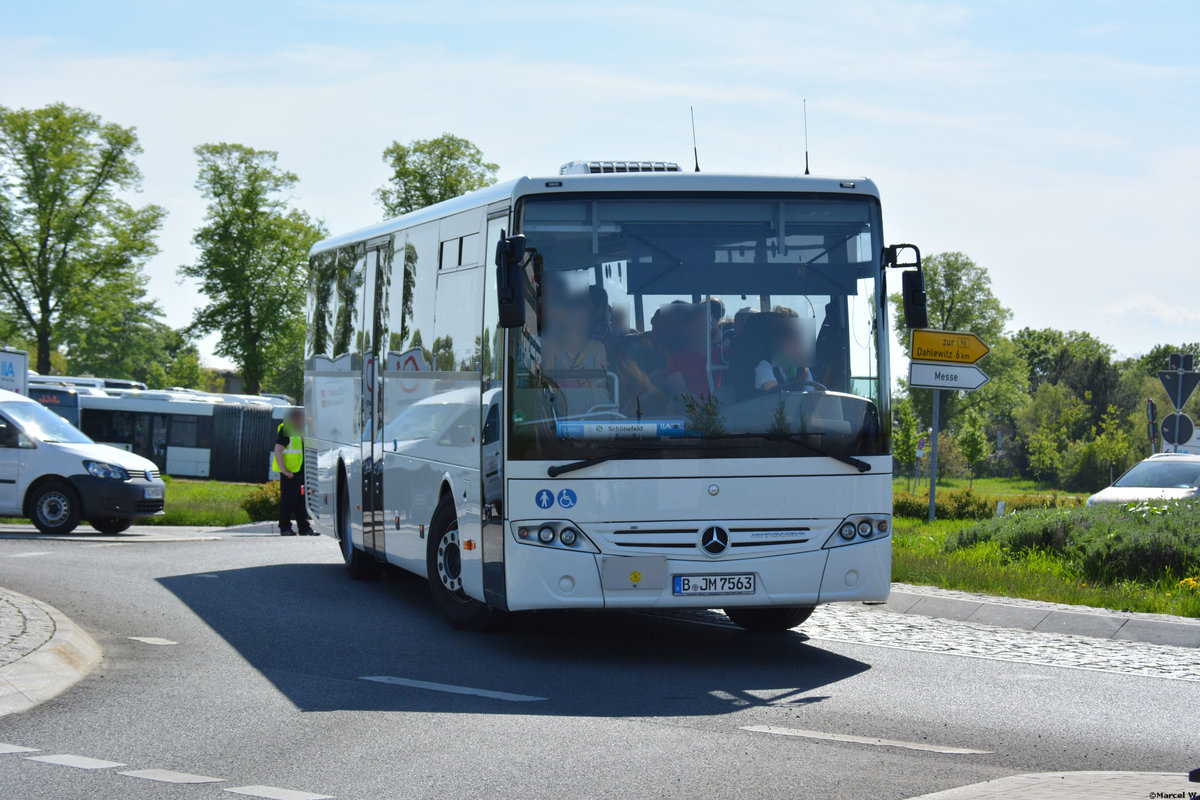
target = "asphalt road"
x: 262, y: 684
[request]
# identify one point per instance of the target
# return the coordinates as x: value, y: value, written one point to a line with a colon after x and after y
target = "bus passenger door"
x: 374, y: 314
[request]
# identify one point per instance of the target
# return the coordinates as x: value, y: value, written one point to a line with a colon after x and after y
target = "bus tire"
x: 444, y: 564
x: 769, y: 620
x: 54, y: 508
x: 359, y: 566
x: 111, y: 526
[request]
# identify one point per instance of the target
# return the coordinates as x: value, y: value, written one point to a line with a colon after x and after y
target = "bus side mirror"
x: 912, y: 284
x: 916, y: 312
x: 510, y: 275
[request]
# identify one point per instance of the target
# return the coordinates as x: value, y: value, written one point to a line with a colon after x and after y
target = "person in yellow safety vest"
x: 289, y: 463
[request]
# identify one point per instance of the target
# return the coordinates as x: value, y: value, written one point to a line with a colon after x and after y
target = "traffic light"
x: 1151, y: 411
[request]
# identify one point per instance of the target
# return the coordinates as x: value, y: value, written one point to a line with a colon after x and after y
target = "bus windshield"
x: 687, y: 325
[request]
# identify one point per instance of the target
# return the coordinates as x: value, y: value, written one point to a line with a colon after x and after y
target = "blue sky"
x: 1055, y: 143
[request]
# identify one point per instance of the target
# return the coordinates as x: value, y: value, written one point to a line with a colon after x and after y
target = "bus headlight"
x: 859, y: 528
x: 553, y: 533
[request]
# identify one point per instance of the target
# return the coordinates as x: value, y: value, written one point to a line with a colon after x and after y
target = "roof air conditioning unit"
x: 610, y: 167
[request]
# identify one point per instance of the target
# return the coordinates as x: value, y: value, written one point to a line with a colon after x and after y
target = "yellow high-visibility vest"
x: 293, y: 454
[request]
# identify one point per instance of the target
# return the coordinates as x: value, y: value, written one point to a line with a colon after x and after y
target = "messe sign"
x: 964, y: 378
x: 944, y: 360
x: 947, y: 347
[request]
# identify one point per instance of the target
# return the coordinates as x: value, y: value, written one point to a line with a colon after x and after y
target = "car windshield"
x: 38, y: 422
x: 708, y: 318
x: 1161, y: 475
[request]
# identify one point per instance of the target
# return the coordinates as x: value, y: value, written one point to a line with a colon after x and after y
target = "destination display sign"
x: 947, y: 347
x: 964, y: 378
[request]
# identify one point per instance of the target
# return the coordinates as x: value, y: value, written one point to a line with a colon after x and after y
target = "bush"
x: 1105, y: 543
x: 262, y: 504
x: 966, y: 504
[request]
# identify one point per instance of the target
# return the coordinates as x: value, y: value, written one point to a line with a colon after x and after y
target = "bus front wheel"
x: 358, y: 564
x: 769, y: 620
x: 444, y: 564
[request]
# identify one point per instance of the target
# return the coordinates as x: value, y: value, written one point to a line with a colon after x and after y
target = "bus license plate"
x: 154, y: 493
x: 695, y: 585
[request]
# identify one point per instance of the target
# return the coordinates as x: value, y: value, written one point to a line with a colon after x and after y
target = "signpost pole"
x: 1179, y: 401
x: 937, y: 401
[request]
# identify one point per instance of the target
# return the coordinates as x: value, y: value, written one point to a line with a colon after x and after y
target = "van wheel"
x: 111, y: 526
x: 444, y: 564
x: 359, y: 565
x: 769, y: 620
x: 55, y: 508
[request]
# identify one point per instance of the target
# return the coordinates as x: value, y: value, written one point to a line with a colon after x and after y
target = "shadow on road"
x: 314, y: 634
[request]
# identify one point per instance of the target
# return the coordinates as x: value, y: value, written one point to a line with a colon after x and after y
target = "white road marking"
x: 273, y: 793
x: 167, y: 776
x: 152, y: 640
x: 842, y: 737
x: 452, y: 689
x: 12, y: 748
x: 27, y: 555
x: 79, y: 762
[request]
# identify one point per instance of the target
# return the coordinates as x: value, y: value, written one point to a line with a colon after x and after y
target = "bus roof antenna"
x: 695, y: 152
x: 806, y: 136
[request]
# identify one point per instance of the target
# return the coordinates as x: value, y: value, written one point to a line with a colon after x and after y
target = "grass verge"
x: 936, y: 554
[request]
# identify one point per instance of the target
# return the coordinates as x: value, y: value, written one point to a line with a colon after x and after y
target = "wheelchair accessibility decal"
x: 545, y: 498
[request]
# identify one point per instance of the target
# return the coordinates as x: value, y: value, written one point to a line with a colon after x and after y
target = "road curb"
x: 1034, y: 615
x: 51, y: 666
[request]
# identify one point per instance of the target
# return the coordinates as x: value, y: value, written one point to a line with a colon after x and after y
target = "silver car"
x: 1162, y: 476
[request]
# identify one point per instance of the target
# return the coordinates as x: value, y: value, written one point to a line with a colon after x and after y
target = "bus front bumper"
x: 549, y: 578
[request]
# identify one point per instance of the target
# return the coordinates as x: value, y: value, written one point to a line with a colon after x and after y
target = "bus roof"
x: 618, y: 182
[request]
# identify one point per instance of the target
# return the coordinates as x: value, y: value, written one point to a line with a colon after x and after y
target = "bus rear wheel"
x: 444, y: 565
x: 769, y: 620
x: 359, y: 565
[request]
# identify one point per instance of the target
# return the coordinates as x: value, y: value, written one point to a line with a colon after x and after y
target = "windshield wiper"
x: 801, y: 439
x: 561, y: 469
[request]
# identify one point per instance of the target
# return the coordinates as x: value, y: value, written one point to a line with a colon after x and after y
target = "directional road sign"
x: 1179, y: 385
x: 947, y: 347
x: 963, y: 377
x: 1177, y: 428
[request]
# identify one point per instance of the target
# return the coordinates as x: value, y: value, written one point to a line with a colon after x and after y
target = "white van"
x: 56, y: 476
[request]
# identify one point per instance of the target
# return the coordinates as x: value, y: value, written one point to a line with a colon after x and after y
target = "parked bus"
x: 185, y: 434
x: 670, y: 392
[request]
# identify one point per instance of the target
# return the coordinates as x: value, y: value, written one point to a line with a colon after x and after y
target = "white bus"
x: 620, y: 387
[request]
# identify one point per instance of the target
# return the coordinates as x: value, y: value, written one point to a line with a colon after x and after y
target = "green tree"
x: 428, y: 171
x: 66, y: 231
x: 1113, y: 444
x: 973, y: 441
x: 122, y: 335
x: 905, y: 436
x: 186, y: 370
x: 252, y: 264
x: 1046, y: 426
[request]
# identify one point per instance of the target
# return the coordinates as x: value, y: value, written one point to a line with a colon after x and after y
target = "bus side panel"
x: 320, y: 479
